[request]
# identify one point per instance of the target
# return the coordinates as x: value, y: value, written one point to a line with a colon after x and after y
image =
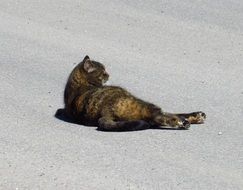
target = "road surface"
x: 181, y: 55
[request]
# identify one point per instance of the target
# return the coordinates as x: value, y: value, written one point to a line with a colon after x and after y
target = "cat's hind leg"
x: 108, y: 124
x: 173, y: 121
x: 194, y: 117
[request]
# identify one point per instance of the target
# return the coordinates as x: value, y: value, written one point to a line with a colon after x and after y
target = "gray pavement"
x: 181, y: 55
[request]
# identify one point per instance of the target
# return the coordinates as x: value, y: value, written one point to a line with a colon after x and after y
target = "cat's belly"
x: 113, y: 102
x: 131, y: 109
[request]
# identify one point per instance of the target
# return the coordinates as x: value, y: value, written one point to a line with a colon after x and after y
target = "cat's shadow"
x: 61, y: 115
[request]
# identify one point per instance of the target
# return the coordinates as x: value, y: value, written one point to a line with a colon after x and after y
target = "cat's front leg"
x: 194, y: 117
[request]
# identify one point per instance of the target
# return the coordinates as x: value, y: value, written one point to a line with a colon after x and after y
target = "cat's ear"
x: 86, y: 57
x: 88, y: 65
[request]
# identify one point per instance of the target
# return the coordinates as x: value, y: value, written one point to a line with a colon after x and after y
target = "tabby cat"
x: 89, y: 102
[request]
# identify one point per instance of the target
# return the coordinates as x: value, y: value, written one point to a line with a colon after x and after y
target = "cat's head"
x: 94, y: 71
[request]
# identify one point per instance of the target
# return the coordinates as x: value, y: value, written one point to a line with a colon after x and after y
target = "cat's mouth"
x: 104, y: 81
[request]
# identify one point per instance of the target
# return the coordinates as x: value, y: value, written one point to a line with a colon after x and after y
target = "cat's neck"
x: 78, y: 79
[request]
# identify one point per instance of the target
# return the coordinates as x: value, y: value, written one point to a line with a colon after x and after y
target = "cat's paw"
x: 199, y: 117
x: 184, y: 124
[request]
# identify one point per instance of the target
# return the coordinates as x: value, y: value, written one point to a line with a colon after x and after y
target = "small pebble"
x: 220, y: 133
x: 42, y: 174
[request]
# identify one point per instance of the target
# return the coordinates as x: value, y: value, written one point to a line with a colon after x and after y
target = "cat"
x: 111, y: 108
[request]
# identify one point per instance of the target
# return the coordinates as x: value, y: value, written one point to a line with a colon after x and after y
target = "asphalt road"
x: 181, y: 55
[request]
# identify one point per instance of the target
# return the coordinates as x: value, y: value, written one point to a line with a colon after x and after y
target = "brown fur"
x: 88, y: 101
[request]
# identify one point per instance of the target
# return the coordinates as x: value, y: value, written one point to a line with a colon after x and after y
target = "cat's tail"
x: 110, y: 125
